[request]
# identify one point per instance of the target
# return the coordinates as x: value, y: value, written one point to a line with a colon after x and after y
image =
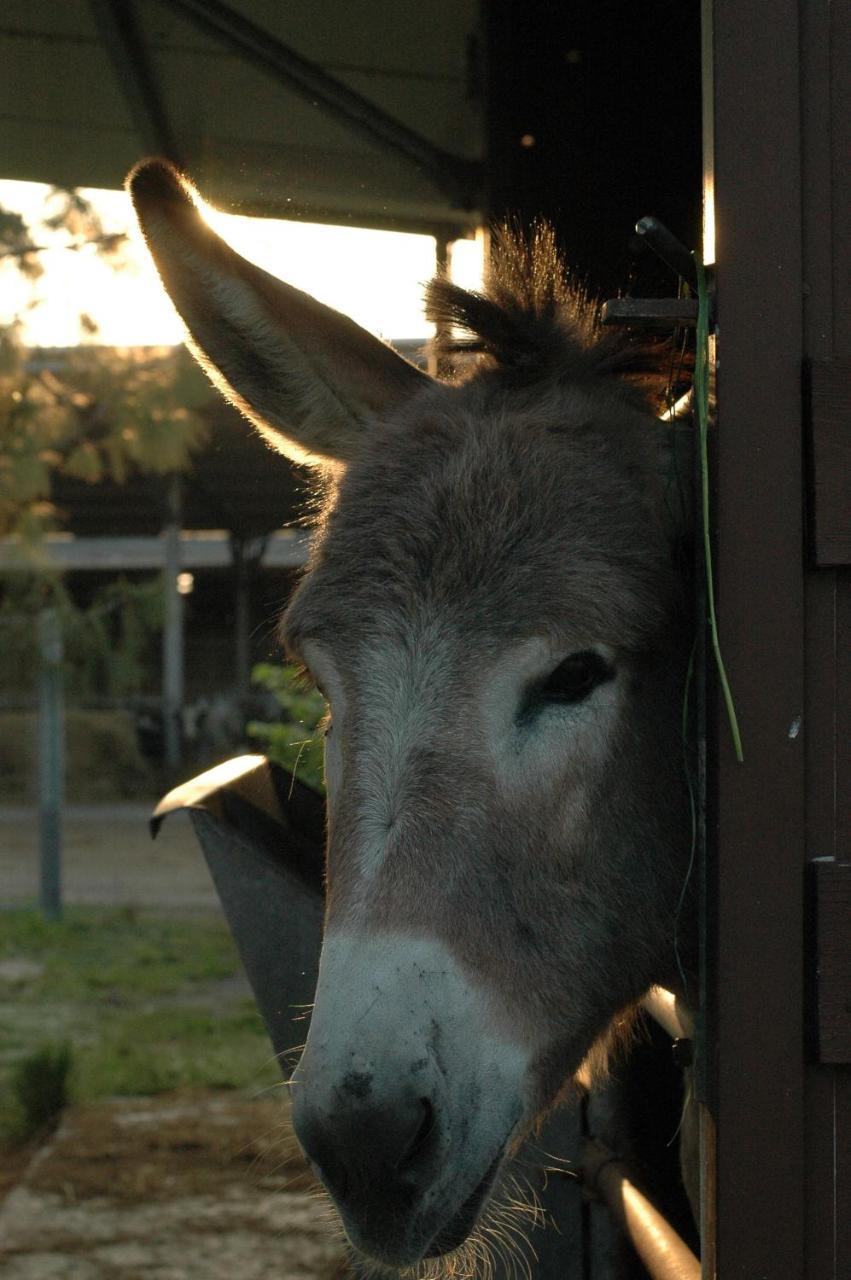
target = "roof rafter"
x: 118, y: 26
x: 458, y: 178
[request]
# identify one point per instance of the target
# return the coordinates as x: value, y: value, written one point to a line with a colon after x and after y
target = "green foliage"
x: 296, y: 741
x: 100, y: 413
x: 39, y: 1089
x: 111, y: 646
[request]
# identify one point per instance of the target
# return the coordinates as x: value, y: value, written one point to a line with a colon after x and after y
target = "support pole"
x: 442, y: 267
x: 172, y: 692
x: 51, y: 763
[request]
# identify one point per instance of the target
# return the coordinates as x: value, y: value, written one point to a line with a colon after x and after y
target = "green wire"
x: 701, y: 396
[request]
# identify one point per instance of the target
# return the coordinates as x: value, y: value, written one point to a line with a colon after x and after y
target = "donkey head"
x: 495, y: 613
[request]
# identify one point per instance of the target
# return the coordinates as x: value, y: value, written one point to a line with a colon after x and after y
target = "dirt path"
x: 108, y: 858
x: 170, y: 1188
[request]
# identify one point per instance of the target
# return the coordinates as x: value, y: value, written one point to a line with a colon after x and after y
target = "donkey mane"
x: 532, y: 321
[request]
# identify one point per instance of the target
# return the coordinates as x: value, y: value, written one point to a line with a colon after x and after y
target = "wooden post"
x: 172, y: 690
x: 756, y: 811
x: 51, y: 763
x: 442, y: 266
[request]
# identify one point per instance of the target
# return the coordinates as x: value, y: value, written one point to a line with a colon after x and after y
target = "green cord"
x: 692, y: 804
x: 701, y: 396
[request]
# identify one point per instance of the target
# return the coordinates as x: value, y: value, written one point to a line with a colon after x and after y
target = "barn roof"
x: 340, y: 116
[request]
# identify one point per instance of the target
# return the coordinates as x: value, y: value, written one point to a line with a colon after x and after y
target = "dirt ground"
x: 108, y: 858
x: 169, y: 1188
x: 201, y: 1184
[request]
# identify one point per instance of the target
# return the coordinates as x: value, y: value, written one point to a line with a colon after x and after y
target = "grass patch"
x: 152, y: 1052
x: 122, y: 953
x: 138, y: 1001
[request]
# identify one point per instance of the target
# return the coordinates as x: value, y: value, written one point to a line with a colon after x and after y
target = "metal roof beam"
x: 137, y: 81
x: 456, y: 177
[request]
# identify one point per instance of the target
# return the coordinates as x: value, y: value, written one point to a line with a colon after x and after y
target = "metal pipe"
x: 664, y: 1253
x: 664, y: 1007
x: 457, y: 177
x: 667, y: 247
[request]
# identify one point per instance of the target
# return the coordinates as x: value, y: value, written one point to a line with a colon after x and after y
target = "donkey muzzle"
x: 405, y: 1099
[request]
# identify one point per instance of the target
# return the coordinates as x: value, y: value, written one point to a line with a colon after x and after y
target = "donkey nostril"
x: 418, y: 1142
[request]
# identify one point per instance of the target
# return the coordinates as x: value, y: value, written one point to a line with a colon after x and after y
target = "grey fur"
x: 532, y: 502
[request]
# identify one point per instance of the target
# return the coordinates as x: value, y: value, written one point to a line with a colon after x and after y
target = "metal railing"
x: 608, y: 1177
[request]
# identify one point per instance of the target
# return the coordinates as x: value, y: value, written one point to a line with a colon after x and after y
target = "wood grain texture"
x: 833, y: 961
x: 830, y: 461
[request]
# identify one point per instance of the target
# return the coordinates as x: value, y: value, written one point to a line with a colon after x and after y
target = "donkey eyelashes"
x: 568, y: 684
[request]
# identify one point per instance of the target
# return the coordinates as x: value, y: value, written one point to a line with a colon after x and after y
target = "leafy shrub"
x: 40, y: 1088
x: 111, y: 647
x: 295, y: 741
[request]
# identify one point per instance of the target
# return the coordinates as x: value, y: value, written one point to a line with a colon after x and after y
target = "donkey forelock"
x: 536, y: 491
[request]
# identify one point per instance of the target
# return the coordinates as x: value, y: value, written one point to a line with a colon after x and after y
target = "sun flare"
x: 376, y: 277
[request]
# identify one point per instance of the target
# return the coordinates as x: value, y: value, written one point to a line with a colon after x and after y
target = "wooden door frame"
x: 756, y: 810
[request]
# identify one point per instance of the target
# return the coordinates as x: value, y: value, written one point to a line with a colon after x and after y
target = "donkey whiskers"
x: 500, y: 1239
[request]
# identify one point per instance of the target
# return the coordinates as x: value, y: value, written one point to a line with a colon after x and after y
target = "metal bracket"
x: 651, y: 313
x: 658, y: 313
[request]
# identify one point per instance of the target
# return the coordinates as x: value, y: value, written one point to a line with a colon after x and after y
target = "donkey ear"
x: 307, y: 376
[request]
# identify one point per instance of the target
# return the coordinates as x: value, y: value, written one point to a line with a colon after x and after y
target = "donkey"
x: 496, y: 612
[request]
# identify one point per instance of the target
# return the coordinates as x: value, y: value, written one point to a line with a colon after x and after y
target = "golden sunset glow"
x: 376, y: 277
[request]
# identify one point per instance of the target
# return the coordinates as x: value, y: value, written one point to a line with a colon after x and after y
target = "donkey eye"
x: 575, y: 677
x: 570, y: 682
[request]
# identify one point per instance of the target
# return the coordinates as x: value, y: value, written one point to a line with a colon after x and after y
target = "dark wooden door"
x: 777, y: 84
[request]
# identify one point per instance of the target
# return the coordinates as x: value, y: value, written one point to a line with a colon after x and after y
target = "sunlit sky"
x: 376, y: 277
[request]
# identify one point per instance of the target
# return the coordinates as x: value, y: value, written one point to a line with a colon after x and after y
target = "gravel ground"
x: 170, y: 1188
x: 108, y: 858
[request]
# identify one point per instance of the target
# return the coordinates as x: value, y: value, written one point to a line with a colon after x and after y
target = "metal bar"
x: 198, y: 550
x: 651, y: 313
x: 116, y: 21
x: 672, y: 1017
x: 667, y: 247
x: 662, y: 1250
x: 51, y: 763
x: 172, y: 632
x: 458, y: 178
